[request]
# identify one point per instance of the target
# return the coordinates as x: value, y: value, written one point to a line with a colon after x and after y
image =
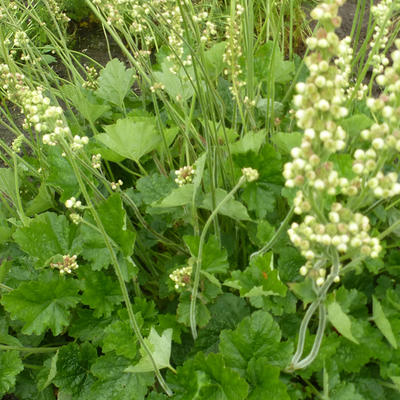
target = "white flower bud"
x: 334, y: 217
x: 300, y: 87
x: 323, y: 105
x: 319, y: 184
x: 320, y: 281
x: 378, y: 143
x: 303, y: 270
x: 70, y: 202
x: 325, y: 135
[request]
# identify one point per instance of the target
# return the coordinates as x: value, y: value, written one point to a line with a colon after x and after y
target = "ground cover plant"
x: 214, y: 215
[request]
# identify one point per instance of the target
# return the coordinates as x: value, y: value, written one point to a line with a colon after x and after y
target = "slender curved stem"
x: 30, y: 349
x: 389, y: 230
x: 5, y: 287
x: 303, y: 330
x: 274, y: 238
x: 322, y: 321
x: 197, y: 267
x: 317, y: 342
x: 132, y: 319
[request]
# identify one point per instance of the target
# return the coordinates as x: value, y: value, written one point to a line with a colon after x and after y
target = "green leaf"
x: 154, y: 187
x: 214, y: 62
x: 208, y: 378
x: 46, y: 236
x: 180, y: 196
x: 259, y: 279
x: 119, y: 337
x: 85, y: 327
x: 286, y: 141
x: 100, y: 292
x: 47, y: 373
x: 5, y: 338
x: 382, y: 322
x: 227, y: 311
x: 268, y: 105
x: 199, y: 166
x: 167, y: 321
x: 113, y: 218
x: 73, y: 366
x: 256, y: 336
x: 7, y: 184
x: 259, y: 198
x: 115, y: 82
x: 265, y: 232
x: 304, y: 290
x: 10, y: 366
x: 42, y: 202
x: 264, y: 380
x: 356, y: 123
x: 91, y: 107
x: 61, y: 174
x: 183, y: 311
x: 340, y: 321
x: 114, y: 384
x: 176, y: 85
x: 267, y: 161
x: 232, y: 208
x: 131, y: 137
x: 160, y: 347
x: 343, y: 164
x: 215, y: 259
x: 43, y: 304
x: 251, y: 141
x: 346, y: 391
x: 268, y: 61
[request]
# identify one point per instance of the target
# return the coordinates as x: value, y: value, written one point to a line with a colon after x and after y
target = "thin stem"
x: 5, y: 287
x: 132, y: 319
x: 317, y: 342
x: 307, y: 317
x: 276, y: 236
x: 197, y: 267
x: 302, y: 332
x: 389, y: 230
x: 33, y: 350
x: 16, y: 188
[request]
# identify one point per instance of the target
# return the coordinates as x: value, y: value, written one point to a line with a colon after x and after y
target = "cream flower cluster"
x: 382, y: 139
x: 40, y: 115
x: 381, y: 13
x: 73, y: 203
x: 138, y: 15
x: 320, y: 103
x: 57, y: 12
x: 17, y: 143
x: 233, y: 50
x: 91, y: 78
x: 181, y: 276
x: 346, y: 231
x: 250, y: 174
x: 96, y: 161
x: 21, y: 39
x: 75, y: 218
x: 184, y: 175
x: 116, y: 185
x: 78, y: 142
x: 67, y: 266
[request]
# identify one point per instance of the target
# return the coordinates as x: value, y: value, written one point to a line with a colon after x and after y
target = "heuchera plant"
x: 162, y: 235
x: 333, y: 230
